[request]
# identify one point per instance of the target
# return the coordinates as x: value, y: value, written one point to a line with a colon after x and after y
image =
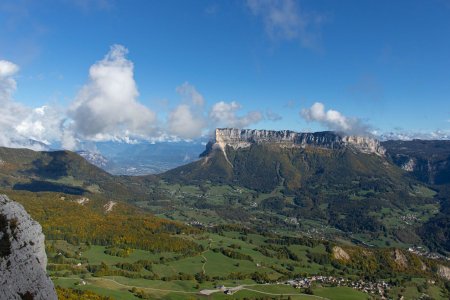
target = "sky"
x: 99, y: 70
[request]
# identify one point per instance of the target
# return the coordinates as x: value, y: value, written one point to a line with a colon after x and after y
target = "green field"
x: 215, y: 268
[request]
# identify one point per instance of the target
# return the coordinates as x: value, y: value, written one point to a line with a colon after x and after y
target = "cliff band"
x: 243, y: 138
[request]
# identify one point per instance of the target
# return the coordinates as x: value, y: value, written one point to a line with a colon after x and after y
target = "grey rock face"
x: 242, y: 138
x: 23, y: 260
x: 94, y: 158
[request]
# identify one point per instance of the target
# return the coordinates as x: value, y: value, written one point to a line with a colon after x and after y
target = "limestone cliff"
x: 443, y: 272
x: 23, y: 259
x: 243, y: 138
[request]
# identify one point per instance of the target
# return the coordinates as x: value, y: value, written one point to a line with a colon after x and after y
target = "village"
x: 419, y: 250
x: 376, y: 288
x: 306, y: 283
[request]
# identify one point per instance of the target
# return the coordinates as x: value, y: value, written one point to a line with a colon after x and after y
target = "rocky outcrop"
x: 340, y: 254
x: 400, y: 259
x: 243, y: 138
x: 22, y: 255
x: 443, y: 272
x: 409, y: 165
x: 94, y: 158
x: 427, y: 161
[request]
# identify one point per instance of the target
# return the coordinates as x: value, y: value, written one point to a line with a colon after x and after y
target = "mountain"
x: 429, y: 162
x: 23, y: 260
x: 259, y: 206
x: 95, y: 158
x: 148, y: 158
x: 63, y: 171
x: 426, y: 160
x: 345, y: 182
x: 263, y: 159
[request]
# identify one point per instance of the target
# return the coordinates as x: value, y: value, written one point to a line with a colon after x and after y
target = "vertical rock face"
x: 22, y: 255
x: 242, y: 138
x: 443, y: 272
x: 428, y: 161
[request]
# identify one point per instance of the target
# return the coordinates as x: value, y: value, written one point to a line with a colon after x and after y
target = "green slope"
x: 346, y: 189
x: 66, y: 172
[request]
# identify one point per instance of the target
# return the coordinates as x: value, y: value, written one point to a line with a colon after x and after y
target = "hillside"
x: 263, y: 160
x: 124, y: 253
x: 428, y: 161
x: 275, y: 180
x: 337, y: 209
x: 345, y: 183
x: 63, y: 171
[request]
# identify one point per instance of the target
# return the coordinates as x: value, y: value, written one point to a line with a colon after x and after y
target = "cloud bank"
x: 106, y: 108
x: 334, y: 120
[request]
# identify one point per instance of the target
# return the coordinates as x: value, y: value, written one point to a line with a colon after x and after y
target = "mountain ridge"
x: 243, y: 138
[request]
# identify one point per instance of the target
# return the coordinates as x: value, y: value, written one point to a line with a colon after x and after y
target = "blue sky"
x: 378, y: 65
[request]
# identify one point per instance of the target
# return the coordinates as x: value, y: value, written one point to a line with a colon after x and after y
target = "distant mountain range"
x: 354, y: 184
x: 143, y: 158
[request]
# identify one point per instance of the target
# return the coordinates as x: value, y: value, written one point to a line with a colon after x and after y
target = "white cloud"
x: 411, y: 135
x: 224, y: 114
x: 21, y: 126
x: 189, y: 119
x: 185, y: 123
x: 68, y: 139
x: 334, y: 120
x: 7, y: 82
x: 190, y: 94
x: 107, y: 107
x: 8, y: 68
x: 41, y: 124
x: 285, y: 20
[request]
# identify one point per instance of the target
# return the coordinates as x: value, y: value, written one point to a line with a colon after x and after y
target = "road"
x: 202, y: 292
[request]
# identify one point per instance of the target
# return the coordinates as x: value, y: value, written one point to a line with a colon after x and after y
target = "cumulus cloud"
x: 187, y: 120
x: 107, y: 106
x: 41, y: 124
x: 189, y: 94
x: 225, y: 114
x: 190, y: 119
x: 22, y: 126
x: 285, y: 20
x: 7, y: 82
x: 185, y: 123
x: 334, y: 120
